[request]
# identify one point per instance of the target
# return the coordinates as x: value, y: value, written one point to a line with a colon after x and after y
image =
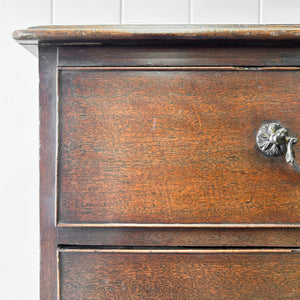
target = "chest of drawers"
x: 152, y: 182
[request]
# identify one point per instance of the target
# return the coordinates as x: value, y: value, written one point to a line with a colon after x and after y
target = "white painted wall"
x: 19, y: 231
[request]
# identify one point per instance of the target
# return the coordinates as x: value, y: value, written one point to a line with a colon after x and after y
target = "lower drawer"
x: 179, y: 274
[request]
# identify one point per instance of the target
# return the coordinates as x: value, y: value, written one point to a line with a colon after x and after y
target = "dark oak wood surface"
x: 172, y: 146
x: 137, y: 56
x: 156, y: 135
x: 96, y: 274
x: 180, y: 237
x: 48, y: 234
x: 134, y: 34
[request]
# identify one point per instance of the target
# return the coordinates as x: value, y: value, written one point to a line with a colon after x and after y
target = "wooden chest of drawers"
x: 152, y: 182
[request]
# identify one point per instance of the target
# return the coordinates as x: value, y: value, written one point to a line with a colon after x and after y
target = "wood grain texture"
x: 186, y: 274
x: 174, y: 147
x: 169, y: 33
x: 48, y: 234
x: 156, y: 150
x: 181, y: 237
x: 178, y: 56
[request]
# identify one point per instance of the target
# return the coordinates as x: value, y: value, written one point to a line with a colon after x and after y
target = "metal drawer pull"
x: 272, y: 139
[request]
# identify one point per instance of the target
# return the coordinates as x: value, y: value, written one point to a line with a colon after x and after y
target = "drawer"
x: 174, y: 146
x: 181, y: 274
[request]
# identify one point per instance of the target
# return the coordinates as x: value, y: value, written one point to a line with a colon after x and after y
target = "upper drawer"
x: 174, y: 146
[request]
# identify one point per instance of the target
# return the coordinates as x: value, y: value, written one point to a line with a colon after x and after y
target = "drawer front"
x: 174, y: 146
x: 194, y: 274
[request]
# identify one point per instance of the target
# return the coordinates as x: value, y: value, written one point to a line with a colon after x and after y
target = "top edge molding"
x: 117, y: 34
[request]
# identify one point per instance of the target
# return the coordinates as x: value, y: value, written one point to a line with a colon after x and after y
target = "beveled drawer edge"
x: 220, y: 68
x: 58, y: 251
x: 177, y: 225
x: 182, y: 251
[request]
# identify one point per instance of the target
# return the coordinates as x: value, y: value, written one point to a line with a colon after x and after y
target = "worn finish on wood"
x: 48, y: 234
x: 179, y: 275
x: 183, y: 237
x: 159, y: 134
x: 178, y: 56
x: 133, y: 33
x: 174, y: 147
